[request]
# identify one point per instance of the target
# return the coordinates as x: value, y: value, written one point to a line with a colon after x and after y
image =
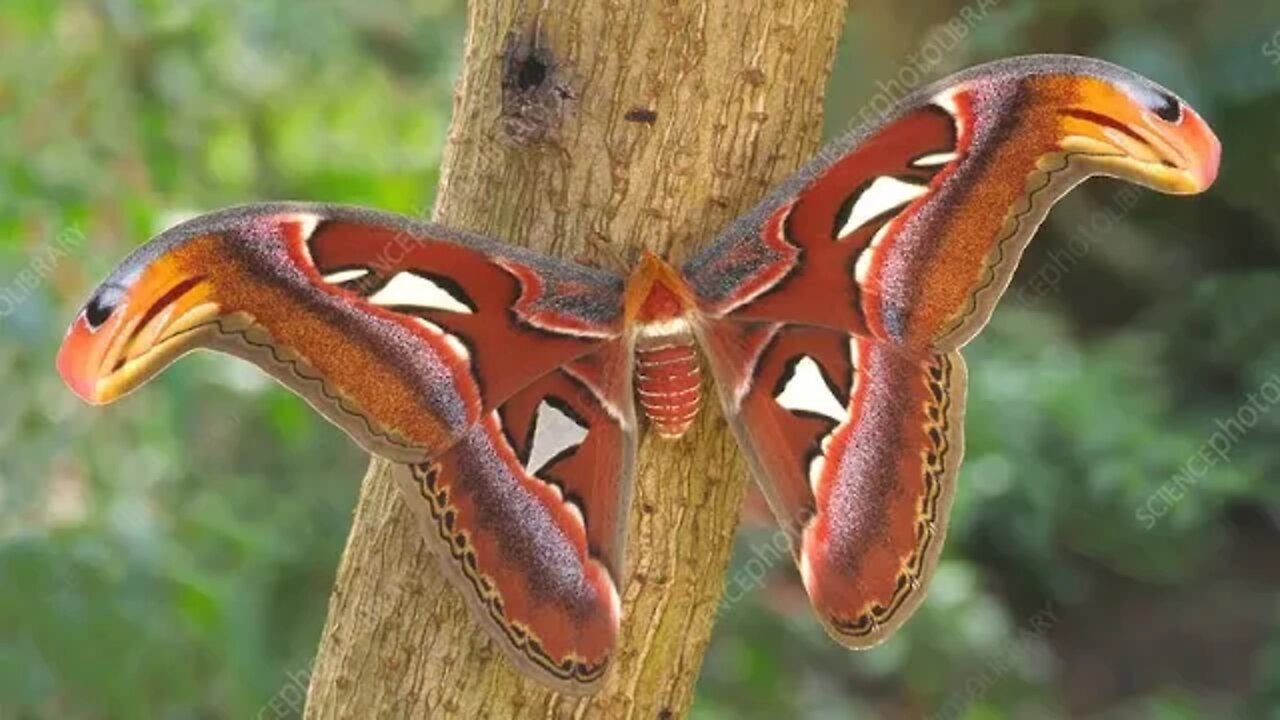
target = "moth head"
x: 1127, y: 126
x: 656, y: 292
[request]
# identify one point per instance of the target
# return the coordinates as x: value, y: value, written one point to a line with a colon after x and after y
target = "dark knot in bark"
x: 536, y: 92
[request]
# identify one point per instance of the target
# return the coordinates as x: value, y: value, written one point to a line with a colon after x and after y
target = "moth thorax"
x: 668, y: 377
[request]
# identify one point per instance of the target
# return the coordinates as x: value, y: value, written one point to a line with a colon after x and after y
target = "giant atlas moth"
x: 503, y: 383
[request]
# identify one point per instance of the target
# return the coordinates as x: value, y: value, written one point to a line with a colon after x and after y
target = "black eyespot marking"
x: 102, y: 305
x: 1169, y: 108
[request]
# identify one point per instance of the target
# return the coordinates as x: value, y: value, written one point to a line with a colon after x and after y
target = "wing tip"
x: 570, y: 671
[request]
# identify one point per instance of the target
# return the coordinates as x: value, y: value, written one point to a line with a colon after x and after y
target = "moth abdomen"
x: 669, y: 383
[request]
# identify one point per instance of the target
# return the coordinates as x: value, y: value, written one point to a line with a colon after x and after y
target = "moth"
x: 504, y: 384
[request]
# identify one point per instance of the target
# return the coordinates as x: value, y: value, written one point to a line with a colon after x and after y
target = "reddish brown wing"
x: 910, y: 231
x: 859, y: 446
x: 527, y: 514
x: 499, y: 375
x: 833, y: 313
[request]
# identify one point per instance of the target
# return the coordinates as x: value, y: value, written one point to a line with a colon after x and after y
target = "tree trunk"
x: 590, y: 130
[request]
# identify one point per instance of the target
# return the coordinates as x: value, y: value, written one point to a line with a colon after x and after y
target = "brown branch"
x: 580, y: 126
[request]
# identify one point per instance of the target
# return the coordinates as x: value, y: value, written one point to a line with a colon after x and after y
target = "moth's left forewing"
x: 856, y: 444
x: 527, y: 515
x: 402, y: 333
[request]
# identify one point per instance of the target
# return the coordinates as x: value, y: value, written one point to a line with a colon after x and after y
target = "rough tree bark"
x: 590, y: 129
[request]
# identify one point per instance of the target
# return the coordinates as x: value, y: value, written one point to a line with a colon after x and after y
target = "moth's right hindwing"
x: 856, y: 445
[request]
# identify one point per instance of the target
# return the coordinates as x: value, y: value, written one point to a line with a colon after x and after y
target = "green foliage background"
x: 171, y: 557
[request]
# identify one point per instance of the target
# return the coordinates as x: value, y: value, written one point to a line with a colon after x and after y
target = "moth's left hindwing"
x: 528, y: 512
